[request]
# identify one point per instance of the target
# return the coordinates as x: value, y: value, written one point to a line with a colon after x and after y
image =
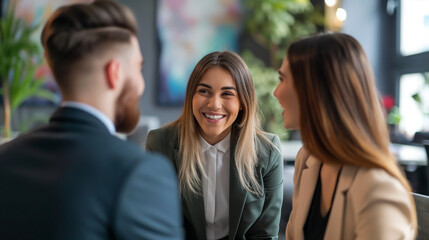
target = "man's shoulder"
x: 129, y: 150
x: 97, y: 147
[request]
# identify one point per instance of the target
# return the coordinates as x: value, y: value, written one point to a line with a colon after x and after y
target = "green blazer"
x: 250, y: 217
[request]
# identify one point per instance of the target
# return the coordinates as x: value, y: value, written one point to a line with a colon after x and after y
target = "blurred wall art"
x: 187, y: 31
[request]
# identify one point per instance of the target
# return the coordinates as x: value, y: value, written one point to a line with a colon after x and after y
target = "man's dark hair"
x: 79, y: 30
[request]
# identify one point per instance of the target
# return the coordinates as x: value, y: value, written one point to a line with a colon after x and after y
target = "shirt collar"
x: 93, y: 111
x: 222, y: 146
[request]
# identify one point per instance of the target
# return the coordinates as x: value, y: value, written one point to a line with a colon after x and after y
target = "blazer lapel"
x: 237, y: 198
x: 335, y: 222
x: 237, y: 194
x: 194, y: 204
x: 195, y: 207
x: 177, y: 160
x: 310, y: 173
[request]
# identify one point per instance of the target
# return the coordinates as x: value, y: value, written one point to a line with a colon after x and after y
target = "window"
x: 414, y: 102
x: 414, y: 20
x: 412, y: 65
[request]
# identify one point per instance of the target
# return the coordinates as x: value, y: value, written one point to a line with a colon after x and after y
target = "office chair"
x: 422, y: 207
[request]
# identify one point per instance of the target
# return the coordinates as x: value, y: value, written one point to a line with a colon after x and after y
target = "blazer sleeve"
x: 267, y: 224
x: 148, y: 206
x: 383, y: 207
x: 153, y: 142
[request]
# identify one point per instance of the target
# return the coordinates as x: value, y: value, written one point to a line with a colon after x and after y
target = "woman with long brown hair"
x: 230, y: 171
x: 347, y: 183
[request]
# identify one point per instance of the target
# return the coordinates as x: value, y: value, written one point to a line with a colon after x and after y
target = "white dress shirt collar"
x: 93, y: 111
x: 222, y: 146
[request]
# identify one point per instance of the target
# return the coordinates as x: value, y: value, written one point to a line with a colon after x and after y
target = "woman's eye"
x: 203, y: 91
x: 228, y: 94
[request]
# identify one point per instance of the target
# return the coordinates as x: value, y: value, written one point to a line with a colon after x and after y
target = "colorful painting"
x: 188, y: 30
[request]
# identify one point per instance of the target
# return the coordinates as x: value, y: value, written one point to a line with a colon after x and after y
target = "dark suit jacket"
x: 250, y: 217
x: 73, y: 180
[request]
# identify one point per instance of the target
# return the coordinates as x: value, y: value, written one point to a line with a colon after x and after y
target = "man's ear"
x: 113, y: 73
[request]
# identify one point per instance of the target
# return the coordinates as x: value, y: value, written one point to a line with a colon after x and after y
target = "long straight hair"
x: 247, y: 126
x: 341, y: 118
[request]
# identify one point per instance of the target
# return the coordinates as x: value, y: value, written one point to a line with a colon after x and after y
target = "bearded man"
x: 73, y: 179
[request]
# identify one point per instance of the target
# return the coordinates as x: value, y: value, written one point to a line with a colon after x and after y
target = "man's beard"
x: 127, y: 109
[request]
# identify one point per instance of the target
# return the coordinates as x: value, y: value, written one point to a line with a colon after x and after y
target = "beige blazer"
x: 369, y: 203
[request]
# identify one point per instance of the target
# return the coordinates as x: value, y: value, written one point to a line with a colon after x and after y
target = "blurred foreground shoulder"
x: 148, y: 205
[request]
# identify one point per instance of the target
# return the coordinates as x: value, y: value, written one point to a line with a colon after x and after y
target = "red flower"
x: 388, y: 102
x: 42, y: 71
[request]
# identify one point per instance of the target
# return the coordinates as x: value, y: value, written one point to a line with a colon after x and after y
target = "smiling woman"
x: 230, y: 172
x: 216, y: 104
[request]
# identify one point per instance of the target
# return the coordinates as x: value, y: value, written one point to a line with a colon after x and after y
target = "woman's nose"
x: 214, y: 102
x: 276, y: 92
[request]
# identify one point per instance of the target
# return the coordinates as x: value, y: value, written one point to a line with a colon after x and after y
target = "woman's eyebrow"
x: 228, y: 88
x: 223, y: 88
x: 204, y: 85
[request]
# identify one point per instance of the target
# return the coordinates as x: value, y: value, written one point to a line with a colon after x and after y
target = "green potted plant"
x: 274, y: 24
x: 422, y: 96
x: 20, y: 58
x: 265, y: 80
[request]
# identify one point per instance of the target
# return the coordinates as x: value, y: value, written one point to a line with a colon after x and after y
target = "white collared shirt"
x: 93, y: 111
x: 216, y: 187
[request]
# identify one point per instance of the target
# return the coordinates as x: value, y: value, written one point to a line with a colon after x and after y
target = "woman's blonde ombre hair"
x: 247, y: 126
x: 341, y: 117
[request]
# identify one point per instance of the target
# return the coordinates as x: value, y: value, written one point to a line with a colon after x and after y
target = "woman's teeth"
x: 213, y: 117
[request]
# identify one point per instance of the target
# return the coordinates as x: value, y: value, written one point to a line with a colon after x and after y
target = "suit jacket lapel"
x: 335, y: 222
x: 237, y: 194
x: 310, y: 173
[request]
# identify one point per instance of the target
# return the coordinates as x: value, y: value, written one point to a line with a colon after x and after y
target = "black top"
x: 315, y: 225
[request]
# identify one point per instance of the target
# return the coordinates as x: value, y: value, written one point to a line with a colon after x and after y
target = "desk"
x: 409, y: 155
x: 290, y: 149
x: 405, y: 154
x: 413, y: 159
